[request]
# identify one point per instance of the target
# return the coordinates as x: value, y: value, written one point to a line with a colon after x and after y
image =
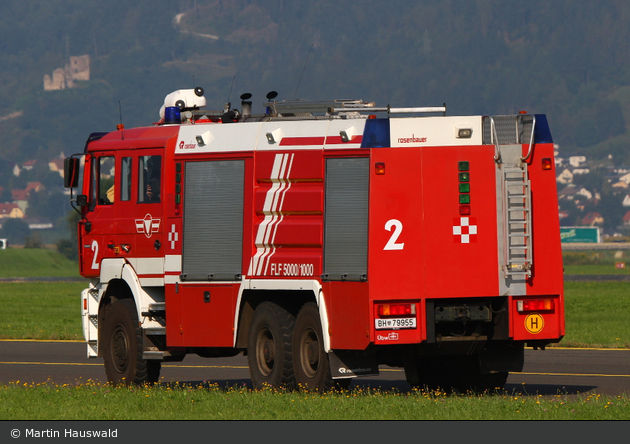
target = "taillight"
x: 384, y: 310
x: 546, y: 163
x: 529, y: 305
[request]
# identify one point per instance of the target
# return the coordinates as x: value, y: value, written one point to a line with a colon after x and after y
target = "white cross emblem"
x: 173, y: 236
x: 148, y: 225
x: 465, y: 230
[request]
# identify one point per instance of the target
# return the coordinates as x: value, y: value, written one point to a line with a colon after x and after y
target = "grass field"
x: 33, y: 262
x: 600, y: 269
x: 40, y: 310
x: 209, y: 402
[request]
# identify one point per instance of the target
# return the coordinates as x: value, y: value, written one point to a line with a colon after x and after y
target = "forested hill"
x: 569, y: 59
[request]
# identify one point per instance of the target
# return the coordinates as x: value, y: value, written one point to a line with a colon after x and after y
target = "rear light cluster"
x: 385, y: 310
x: 530, y: 305
x: 464, y: 187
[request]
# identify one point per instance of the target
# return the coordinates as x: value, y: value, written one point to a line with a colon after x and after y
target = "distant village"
x: 579, y: 198
x: 18, y: 206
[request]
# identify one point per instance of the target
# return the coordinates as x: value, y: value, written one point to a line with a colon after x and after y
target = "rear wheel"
x: 478, y: 382
x: 453, y: 373
x: 121, y: 340
x: 427, y: 374
x: 310, y: 360
x: 269, y: 347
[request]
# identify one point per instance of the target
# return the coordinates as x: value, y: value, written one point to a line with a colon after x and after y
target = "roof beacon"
x: 184, y: 99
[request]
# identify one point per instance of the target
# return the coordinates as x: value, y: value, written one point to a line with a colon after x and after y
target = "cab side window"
x: 149, y: 178
x: 125, y: 179
x: 106, y: 180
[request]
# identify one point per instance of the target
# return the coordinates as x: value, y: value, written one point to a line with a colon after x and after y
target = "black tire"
x: 484, y: 382
x: 121, y: 339
x: 269, y: 347
x: 428, y: 374
x: 310, y: 360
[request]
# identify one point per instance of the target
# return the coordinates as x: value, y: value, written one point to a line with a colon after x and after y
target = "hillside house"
x: 56, y: 166
x: 593, y: 218
x: 10, y: 210
x: 20, y: 198
x: 562, y: 214
x: 29, y: 164
x: 567, y: 192
x: 34, y: 186
x: 565, y: 177
x: 576, y: 161
x: 586, y: 193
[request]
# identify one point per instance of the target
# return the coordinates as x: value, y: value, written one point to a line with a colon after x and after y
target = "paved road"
x: 548, y: 372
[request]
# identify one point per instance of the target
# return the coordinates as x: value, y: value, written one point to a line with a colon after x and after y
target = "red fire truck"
x: 322, y: 240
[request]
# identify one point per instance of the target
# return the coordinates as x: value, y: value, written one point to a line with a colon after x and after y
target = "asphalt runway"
x: 546, y: 372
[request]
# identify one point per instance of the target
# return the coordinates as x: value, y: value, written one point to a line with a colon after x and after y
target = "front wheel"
x: 121, y: 340
x: 269, y: 347
x: 310, y: 360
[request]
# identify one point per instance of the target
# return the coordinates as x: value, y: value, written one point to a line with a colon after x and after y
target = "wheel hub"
x: 309, y: 353
x: 265, y: 352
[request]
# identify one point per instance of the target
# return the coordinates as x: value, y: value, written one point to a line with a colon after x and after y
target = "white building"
x: 576, y: 161
x: 565, y: 177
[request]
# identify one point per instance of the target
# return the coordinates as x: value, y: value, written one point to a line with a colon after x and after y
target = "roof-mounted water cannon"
x: 183, y: 100
x: 246, y: 104
x: 270, y: 106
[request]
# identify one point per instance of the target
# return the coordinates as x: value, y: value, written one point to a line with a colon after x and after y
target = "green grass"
x: 39, y: 310
x: 34, y: 262
x: 597, y: 314
x: 601, y: 269
x: 90, y: 401
x: 595, y: 262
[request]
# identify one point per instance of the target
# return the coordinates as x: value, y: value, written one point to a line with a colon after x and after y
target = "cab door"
x: 97, y: 233
x: 140, y: 213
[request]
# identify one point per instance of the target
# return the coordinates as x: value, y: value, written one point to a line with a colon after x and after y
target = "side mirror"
x: 81, y: 200
x: 71, y: 166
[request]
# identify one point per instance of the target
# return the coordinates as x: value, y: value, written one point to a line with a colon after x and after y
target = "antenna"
x: 298, y: 85
x: 230, y: 93
x: 120, y: 126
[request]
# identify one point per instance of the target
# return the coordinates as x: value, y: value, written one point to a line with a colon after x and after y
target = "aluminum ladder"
x: 517, y: 221
x: 508, y: 133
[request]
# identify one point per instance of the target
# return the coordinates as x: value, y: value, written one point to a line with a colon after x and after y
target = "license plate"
x: 395, y: 323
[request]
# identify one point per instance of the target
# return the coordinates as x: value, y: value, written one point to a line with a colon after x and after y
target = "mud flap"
x: 349, y: 364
